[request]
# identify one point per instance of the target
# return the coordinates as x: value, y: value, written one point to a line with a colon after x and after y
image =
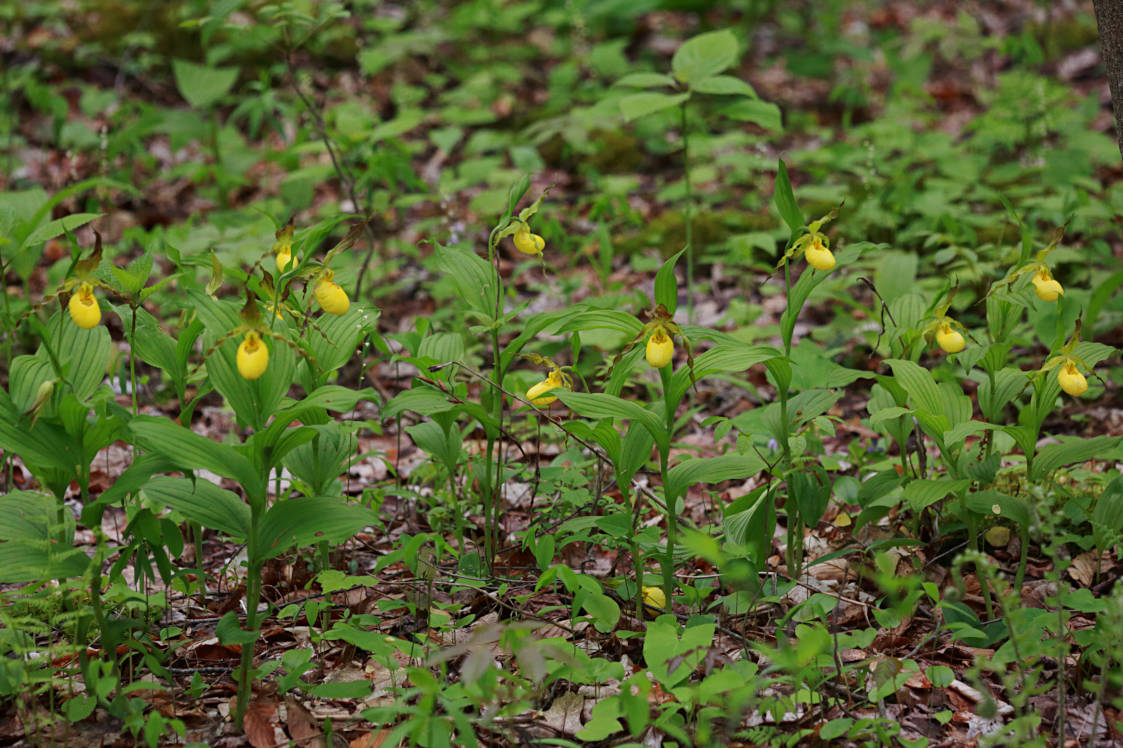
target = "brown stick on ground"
x: 1109, y: 19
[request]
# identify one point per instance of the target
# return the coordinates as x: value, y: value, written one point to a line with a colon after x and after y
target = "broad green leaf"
x: 203, y: 502
x: 229, y: 630
x: 711, y: 470
x: 704, y: 56
x: 666, y: 287
x: 724, y: 85
x: 1069, y: 451
x: 723, y: 357
x: 473, y: 277
x: 601, y: 405
x: 33, y: 545
x: 642, y: 104
x: 400, y: 125
x: 784, y: 198
x: 671, y: 658
x: 763, y: 113
x: 202, y: 85
x: 1008, y: 383
x: 58, y: 227
x: 339, y: 336
x: 926, y: 491
x: 985, y: 502
x: 423, y: 399
x: 1108, y: 511
x: 922, y: 389
x: 751, y: 522
x: 435, y: 441
x: 602, y: 319
x: 645, y: 80
x: 191, y: 451
x: 300, y: 522
x: 374, y: 642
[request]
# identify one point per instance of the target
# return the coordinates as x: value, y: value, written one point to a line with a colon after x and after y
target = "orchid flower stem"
x: 689, y: 219
x: 668, y: 565
x: 795, y: 522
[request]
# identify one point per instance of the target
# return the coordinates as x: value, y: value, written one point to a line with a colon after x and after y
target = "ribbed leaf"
x: 723, y: 357
x: 1070, y: 451
x: 190, y: 451
x: 600, y: 405
x: 300, y: 522
x: 711, y: 470
x: 203, y: 502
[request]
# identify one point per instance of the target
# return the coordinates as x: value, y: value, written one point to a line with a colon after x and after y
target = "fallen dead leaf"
x: 371, y: 740
x: 258, y: 723
x: 564, y: 715
x: 301, y: 727
x: 1083, y: 568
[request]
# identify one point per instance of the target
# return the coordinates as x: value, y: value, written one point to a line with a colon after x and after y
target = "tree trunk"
x: 1109, y: 18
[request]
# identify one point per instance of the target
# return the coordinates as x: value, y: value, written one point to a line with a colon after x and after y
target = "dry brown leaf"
x: 258, y: 723
x: 302, y: 728
x: 564, y: 715
x: 1083, y: 568
x: 371, y: 740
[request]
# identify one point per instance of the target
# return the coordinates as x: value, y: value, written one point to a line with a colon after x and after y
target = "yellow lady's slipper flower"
x: 1044, y: 285
x: 818, y: 256
x: 528, y: 243
x: 950, y: 340
x: 84, y: 309
x: 284, y: 258
x: 660, y: 348
x: 253, y: 356
x: 653, y: 597
x: 536, y: 395
x: 1071, y: 380
x: 331, y: 295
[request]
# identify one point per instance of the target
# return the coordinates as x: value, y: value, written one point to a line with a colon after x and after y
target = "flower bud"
x: 331, y: 295
x: 528, y: 243
x: 653, y: 597
x: 950, y: 340
x: 83, y: 307
x: 660, y: 348
x: 253, y: 356
x: 818, y: 256
x: 1071, y: 380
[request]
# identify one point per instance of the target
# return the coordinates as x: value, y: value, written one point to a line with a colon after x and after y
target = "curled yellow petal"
x: 818, y: 256
x: 950, y: 340
x: 660, y: 348
x: 83, y: 307
x: 1046, y: 287
x: 528, y: 243
x: 331, y: 295
x: 284, y: 258
x: 253, y: 356
x: 536, y: 395
x: 1071, y: 380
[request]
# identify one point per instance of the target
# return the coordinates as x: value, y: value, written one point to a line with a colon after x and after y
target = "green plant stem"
x: 795, y: 522
x: 494, y: 443
x: 1023, y: 557
x: 973, y: 543
x: 637, y: 554
x: 197, y: 536
x: 132, y: 358
x: 689, y: 217
x: 668, y: 565
x: 253, y: 595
